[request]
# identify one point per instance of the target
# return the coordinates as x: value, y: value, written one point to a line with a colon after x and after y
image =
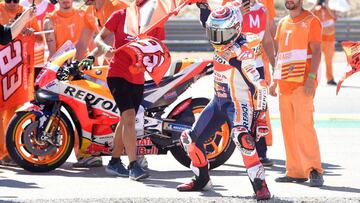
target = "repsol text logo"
x: 245, y: 115
x: 219, y: 59
x: 93, y: 100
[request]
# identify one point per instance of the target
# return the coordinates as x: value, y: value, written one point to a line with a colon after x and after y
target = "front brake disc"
x: 32, y: 145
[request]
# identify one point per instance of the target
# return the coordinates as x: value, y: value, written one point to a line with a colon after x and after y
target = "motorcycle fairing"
x: 162, y: 95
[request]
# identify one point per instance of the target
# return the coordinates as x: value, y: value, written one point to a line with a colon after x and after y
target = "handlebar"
x: 69, y: 71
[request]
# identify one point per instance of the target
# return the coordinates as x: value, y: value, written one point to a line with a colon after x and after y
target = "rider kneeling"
x: 235, y: 76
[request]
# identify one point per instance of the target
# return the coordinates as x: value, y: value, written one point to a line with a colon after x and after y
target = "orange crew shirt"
x: 6, y: 16
x: 101, y: 16
x: 68, y: 26
x: 287, y: 87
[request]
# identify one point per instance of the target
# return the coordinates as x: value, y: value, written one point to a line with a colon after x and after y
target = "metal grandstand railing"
x: 188, y: 35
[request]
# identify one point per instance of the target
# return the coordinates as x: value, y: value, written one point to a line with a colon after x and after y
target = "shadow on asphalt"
x: 279, y: 166
x: 329, y: 170
x: 162, y: 179
x: 4, y: 182
x: 349, y: 86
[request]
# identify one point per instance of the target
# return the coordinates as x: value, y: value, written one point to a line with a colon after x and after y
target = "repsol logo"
x: 220, y: 59
x: 245, y: 115
x: 92, y: 99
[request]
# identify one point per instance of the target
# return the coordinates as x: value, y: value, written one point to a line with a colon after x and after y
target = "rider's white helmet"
x: 223, y: 26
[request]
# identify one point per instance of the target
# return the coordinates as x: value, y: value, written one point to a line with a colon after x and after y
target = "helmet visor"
x: 220, y: 36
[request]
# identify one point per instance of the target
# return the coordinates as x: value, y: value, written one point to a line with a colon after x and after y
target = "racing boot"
x: 257, y: 178
x: 261, y: 190
x: 201, y: 181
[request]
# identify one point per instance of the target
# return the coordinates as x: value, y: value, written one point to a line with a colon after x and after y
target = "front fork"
x: 52, y: 125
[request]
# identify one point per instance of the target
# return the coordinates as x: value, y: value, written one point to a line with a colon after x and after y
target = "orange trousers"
x: 5, y: 117
x: 300, y: 139
x: 328, y: 49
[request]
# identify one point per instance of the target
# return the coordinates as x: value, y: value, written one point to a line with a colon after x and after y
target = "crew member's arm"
x: 50, y: 37
x: 83, y: 43
x: 19, y: 24
x: 88, y: 62
x: 204, y: 12
x: 273, y: 85
x: 268, y: 43
x: 102, y: 46
x: 310, y: 84
x: 97, y: 52
x: 315, y: 38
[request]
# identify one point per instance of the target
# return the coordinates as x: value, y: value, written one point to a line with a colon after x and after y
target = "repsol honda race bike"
x: 40, y: 136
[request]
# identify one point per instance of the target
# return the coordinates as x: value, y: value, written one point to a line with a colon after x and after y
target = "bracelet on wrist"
x: 312, y: 75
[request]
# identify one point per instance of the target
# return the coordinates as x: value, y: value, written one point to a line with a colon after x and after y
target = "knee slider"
x: 243, y: 140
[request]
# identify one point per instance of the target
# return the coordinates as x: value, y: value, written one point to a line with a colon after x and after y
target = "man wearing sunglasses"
x: 10, y: 10
x: 7, y: 33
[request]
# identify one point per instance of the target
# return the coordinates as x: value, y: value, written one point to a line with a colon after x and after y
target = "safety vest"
x: 293, y: 49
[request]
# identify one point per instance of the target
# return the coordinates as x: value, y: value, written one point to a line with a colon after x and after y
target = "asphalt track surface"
x: 338, y: 127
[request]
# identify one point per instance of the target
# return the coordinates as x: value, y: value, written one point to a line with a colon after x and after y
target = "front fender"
x: 31, y: 107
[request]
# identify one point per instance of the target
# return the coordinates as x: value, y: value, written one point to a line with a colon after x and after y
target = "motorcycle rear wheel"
x: 219, y: 147
x: 17, y: 143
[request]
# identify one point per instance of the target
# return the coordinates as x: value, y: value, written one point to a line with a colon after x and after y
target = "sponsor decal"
x: 291, y: 69
x: 180, y: 108
x: 51, y: 84
x: 175, y: 127
x: 97, y: 102
x: 145, y: 142
x: 170, y: 95
x: 145, y: 150
x: 247, y: 54
x: 219, y: 59
x: 245, y: 115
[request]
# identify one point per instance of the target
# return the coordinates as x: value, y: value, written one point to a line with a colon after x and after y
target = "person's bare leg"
x: 129, y: 134
x: 118, y: 140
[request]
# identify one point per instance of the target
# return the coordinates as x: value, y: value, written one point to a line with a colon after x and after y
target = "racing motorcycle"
x: 70, y: 102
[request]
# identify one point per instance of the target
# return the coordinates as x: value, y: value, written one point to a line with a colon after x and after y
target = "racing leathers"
x: 259, y: 92
x: 235, y: 78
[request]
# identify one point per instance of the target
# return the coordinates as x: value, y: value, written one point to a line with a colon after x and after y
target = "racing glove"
x: 261, y: 126
x: 87, y: 62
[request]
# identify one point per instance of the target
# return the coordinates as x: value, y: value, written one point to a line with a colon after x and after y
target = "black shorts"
x: 126, y: 95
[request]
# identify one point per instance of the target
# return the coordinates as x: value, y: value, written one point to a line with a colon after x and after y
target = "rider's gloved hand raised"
x: 87, y: 62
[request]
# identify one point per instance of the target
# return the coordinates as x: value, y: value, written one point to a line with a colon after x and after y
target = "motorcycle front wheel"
x: 219, y: 147
x: 32, y: 154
